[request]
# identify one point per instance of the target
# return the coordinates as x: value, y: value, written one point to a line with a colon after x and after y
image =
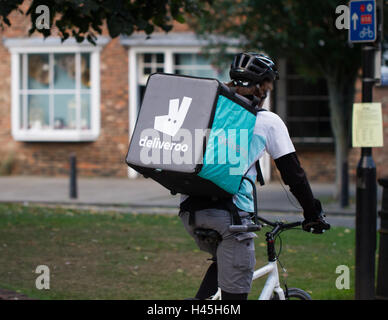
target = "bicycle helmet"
x: 251, y: 68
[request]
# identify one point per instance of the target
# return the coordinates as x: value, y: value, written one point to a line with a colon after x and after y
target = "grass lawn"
x: 126, y: 256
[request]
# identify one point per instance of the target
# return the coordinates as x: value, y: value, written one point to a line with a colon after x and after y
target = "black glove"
x: 293, y: 175
x: 315, y: 223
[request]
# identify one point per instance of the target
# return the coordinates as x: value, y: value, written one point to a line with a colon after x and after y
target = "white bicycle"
x: 272, y: 289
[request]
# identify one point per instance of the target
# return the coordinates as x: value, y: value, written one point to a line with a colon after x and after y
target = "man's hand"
x: 316, y: 225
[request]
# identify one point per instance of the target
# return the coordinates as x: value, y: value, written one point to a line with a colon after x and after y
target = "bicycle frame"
x: 271, y: 285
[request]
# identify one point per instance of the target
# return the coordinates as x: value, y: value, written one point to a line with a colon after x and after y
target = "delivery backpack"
x: 192, y: 136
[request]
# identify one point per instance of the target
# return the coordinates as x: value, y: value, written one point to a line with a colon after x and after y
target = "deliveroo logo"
x: 173, y: 121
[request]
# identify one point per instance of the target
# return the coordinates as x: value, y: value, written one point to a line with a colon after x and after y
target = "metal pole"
x: 73, y: 176
x: 366, y: 197
x: 382, y: 275
x: 345, y: 185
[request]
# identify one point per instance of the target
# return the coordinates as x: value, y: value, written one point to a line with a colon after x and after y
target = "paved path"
x: 145, y: 195
x: 138, y: 193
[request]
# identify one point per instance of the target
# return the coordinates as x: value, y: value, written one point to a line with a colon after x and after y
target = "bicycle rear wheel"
x: 294, y: 294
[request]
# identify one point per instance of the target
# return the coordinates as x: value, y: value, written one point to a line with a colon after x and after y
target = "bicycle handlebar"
x: 256, y: 227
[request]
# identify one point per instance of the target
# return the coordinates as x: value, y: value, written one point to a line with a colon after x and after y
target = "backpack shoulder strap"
x: 260, y: 177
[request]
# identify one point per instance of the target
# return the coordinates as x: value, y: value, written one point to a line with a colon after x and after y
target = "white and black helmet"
x: 251, y: 68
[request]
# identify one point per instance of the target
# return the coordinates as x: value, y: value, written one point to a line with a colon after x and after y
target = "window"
x: 55, y: 92
x: 184, y: 63
x: 150, y: 63
x: 384, y: 64
x: 197, y: 65
x: 304, y: 105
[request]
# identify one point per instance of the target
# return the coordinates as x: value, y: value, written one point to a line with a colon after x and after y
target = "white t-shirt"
x: 270, y: 134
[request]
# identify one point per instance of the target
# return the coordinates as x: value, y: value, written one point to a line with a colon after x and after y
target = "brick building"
x: 57, y: 99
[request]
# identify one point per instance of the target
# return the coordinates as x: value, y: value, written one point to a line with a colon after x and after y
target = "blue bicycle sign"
x: 362, y: 21
x: 366, y: 32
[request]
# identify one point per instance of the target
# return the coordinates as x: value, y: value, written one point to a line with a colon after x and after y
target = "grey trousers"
x: 235, y: 253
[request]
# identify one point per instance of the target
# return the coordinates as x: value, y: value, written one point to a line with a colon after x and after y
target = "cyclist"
x: 233, y: 254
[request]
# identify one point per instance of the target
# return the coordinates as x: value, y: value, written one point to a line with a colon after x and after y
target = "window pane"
x: 64, y: 71
x: 65, y: 111
x: 205, y: 73
x: 184, y: 59
x: 85, y: 71
x: 38, y: 71
x: 149, y: 64
x: 308, y: 114
x: 147, y: 57
x: 201, y: 60
x: 160, y: 58
x: 299, y: 86
x: 147, y: 71
x: 21, y: 111
x: 38, y: 111
x: 325, y: 129
x: 198, y: 65
x: 324, y: 110
x: 305, y: 108
x: 85, y: 112
x: 21, y: 68
x: 303, y: 129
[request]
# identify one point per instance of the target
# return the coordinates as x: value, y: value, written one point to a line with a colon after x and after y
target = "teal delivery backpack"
x: 192, y: 135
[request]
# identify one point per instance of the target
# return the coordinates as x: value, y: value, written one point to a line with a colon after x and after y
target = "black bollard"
x: 382, y: 275
x: 73, y: 176
x: 345, y: 185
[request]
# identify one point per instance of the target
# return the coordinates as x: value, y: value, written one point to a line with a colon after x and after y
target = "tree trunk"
x: 341, y: 100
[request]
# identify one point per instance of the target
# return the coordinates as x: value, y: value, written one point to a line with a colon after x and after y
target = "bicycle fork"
x: 272, y: 284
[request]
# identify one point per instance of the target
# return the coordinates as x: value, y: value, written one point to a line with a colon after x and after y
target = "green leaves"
x: 6, y: 7
x: 85, y: 19
x: 299, y: 30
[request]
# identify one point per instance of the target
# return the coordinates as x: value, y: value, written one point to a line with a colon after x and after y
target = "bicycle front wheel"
x: 294, y: 294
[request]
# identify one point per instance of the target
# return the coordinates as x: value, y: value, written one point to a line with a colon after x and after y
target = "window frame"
x: 282, y: 110
x: 18, y: 47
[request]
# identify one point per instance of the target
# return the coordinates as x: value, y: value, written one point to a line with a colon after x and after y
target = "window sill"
x: 54, y: 136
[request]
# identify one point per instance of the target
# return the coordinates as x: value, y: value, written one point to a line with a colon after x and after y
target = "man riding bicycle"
x: 233, y: 254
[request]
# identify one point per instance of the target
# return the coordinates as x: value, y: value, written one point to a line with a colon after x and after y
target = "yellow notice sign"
x: 367, y: 125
